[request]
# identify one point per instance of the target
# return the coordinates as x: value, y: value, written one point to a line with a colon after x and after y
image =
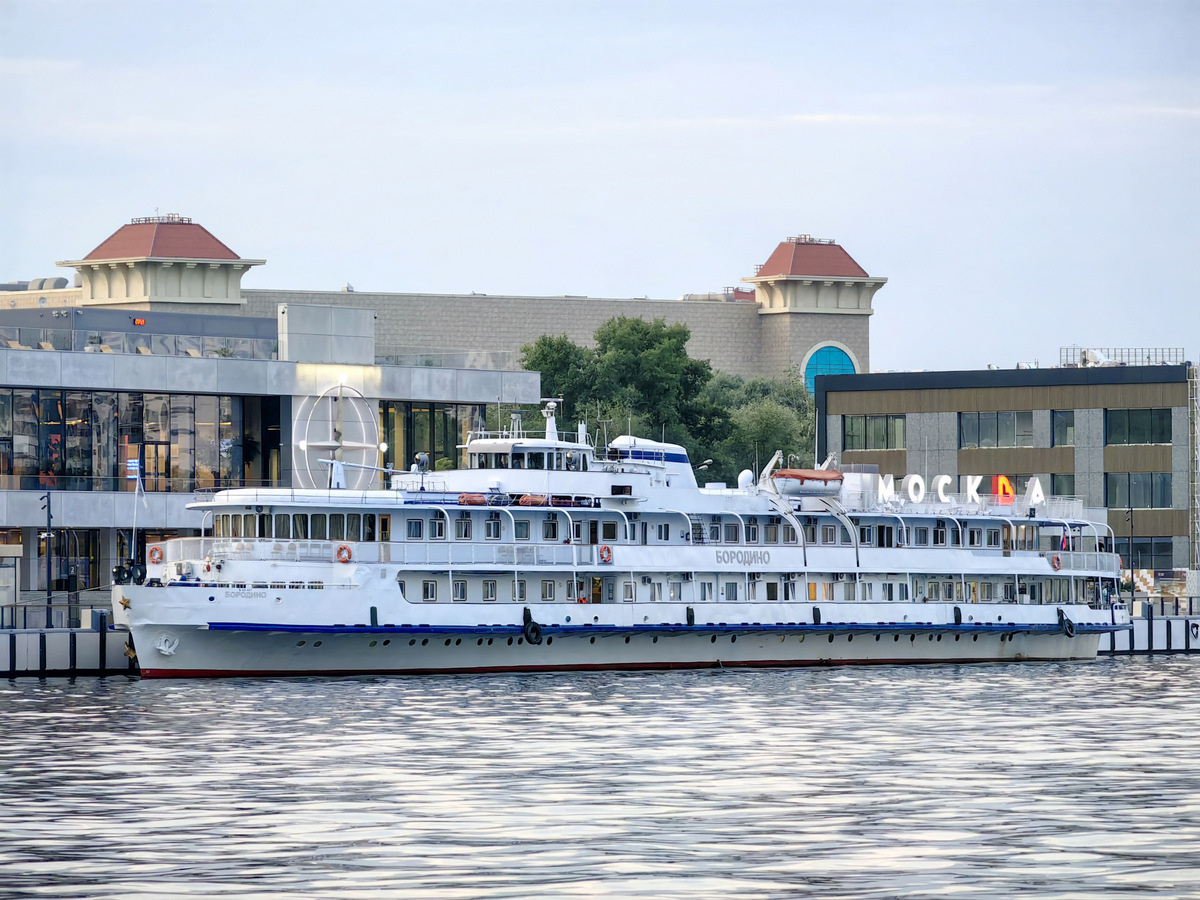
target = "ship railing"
x: 1074, y: 561
x: 445, y: 553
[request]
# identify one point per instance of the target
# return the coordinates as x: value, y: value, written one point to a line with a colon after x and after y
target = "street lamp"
x: 1129, y: 515
x: 49, y: 536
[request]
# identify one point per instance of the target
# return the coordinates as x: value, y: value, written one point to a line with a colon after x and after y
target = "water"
x: 1038, y: 781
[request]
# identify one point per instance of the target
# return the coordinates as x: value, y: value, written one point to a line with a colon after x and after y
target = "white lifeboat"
x: 808, y: 482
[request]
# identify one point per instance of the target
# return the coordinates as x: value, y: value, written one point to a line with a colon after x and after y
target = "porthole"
x: 510, y: 642
x: 479, y: 643
x: 373, y: 644
x: 490, y: 642
x: 957, y: 637
x: 733, y: 639
x: 447, y: 642
x: 316, y: 643
x: 520, y: 641
x: 714, y: 638
x: 385, y: 643
x: 974, y: 637
x: 896, y: 638
x: 939, y: 637
x: 655, y: 639
x: 299, y: 643
x: 849, y: 638
x: 457, y: 641
x: 592, y: 640
x: 831, y: 639
x: 424, y: 642
x: 549, y: 641
x: 912, y: 638
x: 627, y: 639
x: 878, y: 636
x: 412, y: 641
x: 931, y: 637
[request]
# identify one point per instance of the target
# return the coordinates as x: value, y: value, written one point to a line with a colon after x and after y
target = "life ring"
x: 1056, y: 562
x: 156, y: 555
x: 343, y: 553
x: 583, y: 599
x: 606, y: 554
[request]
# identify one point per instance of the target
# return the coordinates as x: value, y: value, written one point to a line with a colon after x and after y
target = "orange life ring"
x: 156, y: 555
x: 606, y: 554
x: 1056, y: 562
x: 343, y: 553
x: 583, y: 599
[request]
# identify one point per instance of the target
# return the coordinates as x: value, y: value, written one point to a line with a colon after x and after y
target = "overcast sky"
x: 1026, y: 175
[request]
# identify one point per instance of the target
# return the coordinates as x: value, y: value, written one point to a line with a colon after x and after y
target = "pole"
x: 1132, y: 588
x: 49, y: 550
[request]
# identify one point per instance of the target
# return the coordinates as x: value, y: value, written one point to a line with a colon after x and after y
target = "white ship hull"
x: 236, y: 638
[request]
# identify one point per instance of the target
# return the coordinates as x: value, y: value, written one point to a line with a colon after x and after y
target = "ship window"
x: 608, y: 531
x: 903, y: 591
x: 627, y: 591
x: 547, y: 590
x: 491, y: 530
x: 752, y: 591
x: 921, y: 536
x: 939, y: 536
x: 353, y: 526
x: 810, y: 534
x: 317, y: 526
x: 772, y: 534
x: 518, y: 460
x: 706, y: 592
x: 429, y: 591
x: 828, y: 534
x: 521, y: 529
x: 300, y: 526
x: 403, y: 588
x: 955, y: 536
x: 864, y: 535
x: 437, y: 526
x: 337, y: 526
x: 993, y: 537
x: 368, y: 526
x: 518, y: 590
x: 577, y: 531
x: 731, y: 593
x: 414, y: 529
x: 714, y: 534
x: 550, y: 530
x: 236, y: 522
x: 489, y: 590
x: 848, y: 590
x: 789, y: 534
x: 479, y: 461
x: 536, y: 460
x: 655, y: 592
x: 772, y: 591
x: 459, y: 592
x: 462, y: 529
x: 675, y: 590
x: 935, y: 591
x: 731, y: 533
x: 250, y: 525
x: 751, y: 533
x: 664, y: 531
x: 985, y: 590
x: 283, y: 523
x: 221, y: 524
x: 264, y: 525
x: 975, y: 537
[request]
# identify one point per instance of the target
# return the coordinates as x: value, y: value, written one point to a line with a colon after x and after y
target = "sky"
x: 1025, y: 175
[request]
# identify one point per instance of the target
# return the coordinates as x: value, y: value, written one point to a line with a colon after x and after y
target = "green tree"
x: 568, y: 370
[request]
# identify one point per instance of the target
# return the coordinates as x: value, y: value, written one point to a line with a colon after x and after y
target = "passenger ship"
x: 547, y: 553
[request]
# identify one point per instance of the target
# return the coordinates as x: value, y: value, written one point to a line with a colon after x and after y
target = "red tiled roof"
x: 170, y: 240
x: 811, y: 260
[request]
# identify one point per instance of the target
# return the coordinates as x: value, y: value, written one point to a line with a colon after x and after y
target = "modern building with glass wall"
x: 94, y: 395
x: 1119, y: 435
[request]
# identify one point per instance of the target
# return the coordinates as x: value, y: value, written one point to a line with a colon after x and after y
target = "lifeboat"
x: 472, y: 500
x: 534, y: 500
x: 808, y: 482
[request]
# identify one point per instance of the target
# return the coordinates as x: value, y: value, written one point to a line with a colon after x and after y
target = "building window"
x: 1062, y: 428
x: 985, y: 430
x: 1148, y: 552
x: 826, y: 361
x: 1137, y: 426
x: 1137, y: 490
x: 873, y: 433
x: 1062, y: 485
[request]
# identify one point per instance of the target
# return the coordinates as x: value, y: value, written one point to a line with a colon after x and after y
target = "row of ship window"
x: 372, y: 527
x: 983, y: 430
x: 752, y: 590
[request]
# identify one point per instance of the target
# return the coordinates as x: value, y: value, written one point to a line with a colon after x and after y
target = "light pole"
x: 1129, y: 513
x: 49, y: 550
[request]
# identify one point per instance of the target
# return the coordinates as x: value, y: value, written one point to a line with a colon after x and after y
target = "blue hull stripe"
x: 708, y: 628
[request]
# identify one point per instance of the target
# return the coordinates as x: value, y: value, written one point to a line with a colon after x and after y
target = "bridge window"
x: 300, y: 526
x: 283, y: 526
x: 353, y: 526
x: 317, y: 526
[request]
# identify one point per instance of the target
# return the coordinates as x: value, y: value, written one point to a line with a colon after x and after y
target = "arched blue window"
x: 826, y: 361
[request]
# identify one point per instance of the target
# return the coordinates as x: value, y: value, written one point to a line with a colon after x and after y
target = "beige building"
x: 808, y: 305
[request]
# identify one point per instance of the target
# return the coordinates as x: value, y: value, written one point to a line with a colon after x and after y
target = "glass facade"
x: 1137, y: 426
x: 1137, y: 490
x: 873, y: 433
x: 80, y: 440
x: 1062, y: 428
x: 411, y: 427
x: 984, y: 430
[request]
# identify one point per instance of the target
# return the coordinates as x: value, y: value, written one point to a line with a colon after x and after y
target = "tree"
x: 568, y: 370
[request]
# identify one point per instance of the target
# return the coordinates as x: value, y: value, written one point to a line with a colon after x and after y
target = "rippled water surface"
x: 1077, y: 780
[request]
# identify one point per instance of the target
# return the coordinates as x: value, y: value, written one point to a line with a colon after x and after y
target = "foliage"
x: 640, y: 380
